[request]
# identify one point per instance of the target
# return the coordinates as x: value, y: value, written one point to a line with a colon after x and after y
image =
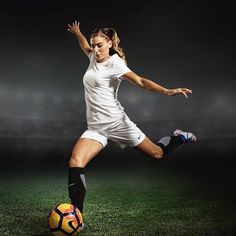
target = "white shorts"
x: 123, y: 132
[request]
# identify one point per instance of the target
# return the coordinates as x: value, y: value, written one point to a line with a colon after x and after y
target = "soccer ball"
x: 65, y: 219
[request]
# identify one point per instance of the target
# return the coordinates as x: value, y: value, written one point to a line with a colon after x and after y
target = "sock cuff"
x: 163, y: 148
x: 170, y: 143
x: 75, y: 170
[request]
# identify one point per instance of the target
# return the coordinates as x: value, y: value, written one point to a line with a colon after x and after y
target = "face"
x: 101, y: 47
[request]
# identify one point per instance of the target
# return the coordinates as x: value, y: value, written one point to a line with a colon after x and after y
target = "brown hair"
x: 110, y: 34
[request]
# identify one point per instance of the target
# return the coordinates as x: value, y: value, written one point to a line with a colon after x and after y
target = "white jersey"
x: 101, y: 83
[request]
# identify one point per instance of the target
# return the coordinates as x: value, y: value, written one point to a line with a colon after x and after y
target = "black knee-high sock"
x: 169, y: 144
x: 77, y: 187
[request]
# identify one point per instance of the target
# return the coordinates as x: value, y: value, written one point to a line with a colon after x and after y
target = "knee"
x: 157, y: 154
x: 77, y: 161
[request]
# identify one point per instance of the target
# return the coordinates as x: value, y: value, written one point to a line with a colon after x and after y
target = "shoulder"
x: 118, y: 65
x: 116, y: 60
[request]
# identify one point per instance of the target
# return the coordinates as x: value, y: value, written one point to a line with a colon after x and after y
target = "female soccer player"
x: 106, y: 119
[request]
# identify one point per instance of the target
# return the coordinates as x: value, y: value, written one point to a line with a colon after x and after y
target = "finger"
x: 185, y: 94
x: 187, y: 90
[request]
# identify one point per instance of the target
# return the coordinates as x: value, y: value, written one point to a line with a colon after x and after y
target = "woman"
x: 106, y: 119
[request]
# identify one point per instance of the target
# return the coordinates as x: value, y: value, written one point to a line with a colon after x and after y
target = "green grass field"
x: 151, y: 200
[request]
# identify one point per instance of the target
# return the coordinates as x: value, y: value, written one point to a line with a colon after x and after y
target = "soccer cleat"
x: 187, y: 137
x: 82, y: 226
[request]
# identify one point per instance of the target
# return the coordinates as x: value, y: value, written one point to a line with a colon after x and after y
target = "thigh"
x: 84, y: 151
x: 149, y: 148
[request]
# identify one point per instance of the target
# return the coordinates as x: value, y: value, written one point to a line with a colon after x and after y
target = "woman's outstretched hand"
x: 74, y: 27
x: 184, y: 91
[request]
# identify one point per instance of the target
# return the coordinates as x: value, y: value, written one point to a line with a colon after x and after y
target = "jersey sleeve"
x: 119, y: 67
x: 91, y: 56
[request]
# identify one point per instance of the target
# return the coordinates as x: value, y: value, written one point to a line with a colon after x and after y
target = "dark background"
x: 177, y: 44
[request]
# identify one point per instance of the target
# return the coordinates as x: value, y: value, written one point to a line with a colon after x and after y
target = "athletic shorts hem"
x: 139, y: 141
x: 93, y: 135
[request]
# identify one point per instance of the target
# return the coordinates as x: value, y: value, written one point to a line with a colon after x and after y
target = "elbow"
x: 141, y: 83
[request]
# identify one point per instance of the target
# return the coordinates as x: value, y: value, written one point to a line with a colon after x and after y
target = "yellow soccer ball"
x: 65, y: 219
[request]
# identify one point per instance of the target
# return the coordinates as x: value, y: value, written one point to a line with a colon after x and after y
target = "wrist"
x: 166, y: 92
x: 77, y: 33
